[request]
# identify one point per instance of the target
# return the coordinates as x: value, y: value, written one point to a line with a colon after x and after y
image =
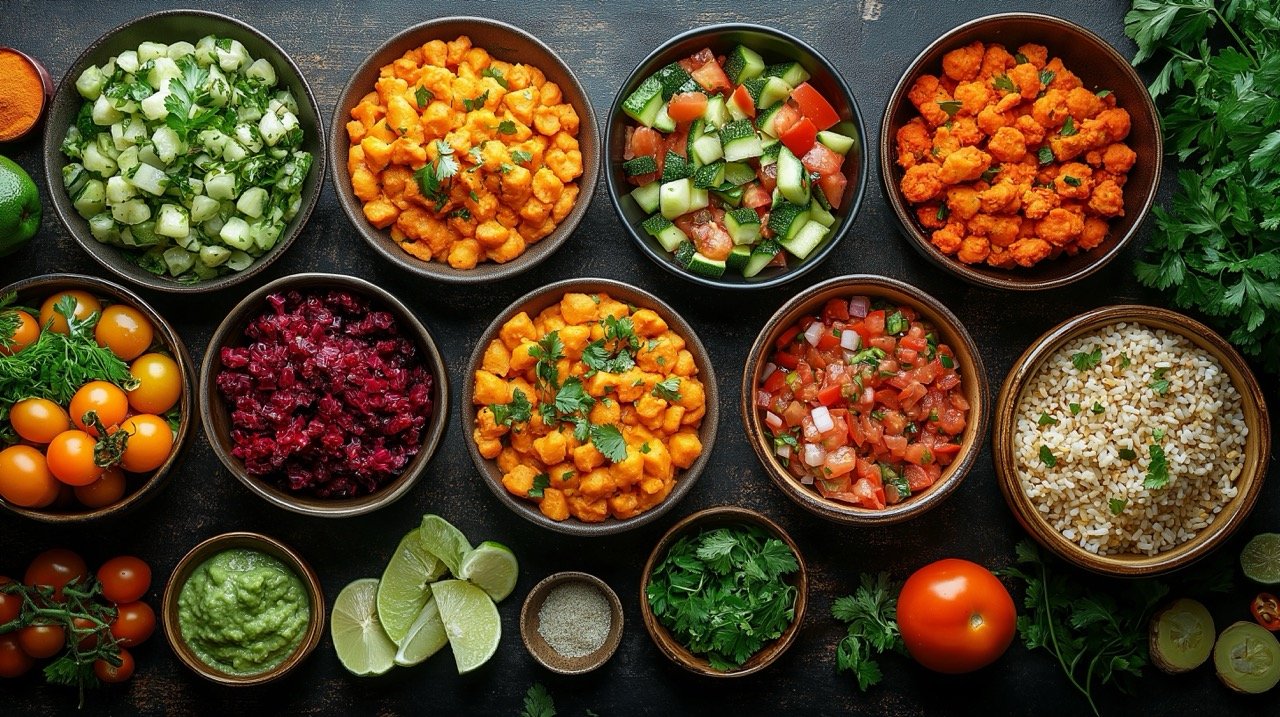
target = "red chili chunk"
x: 863, y: 402
x: 327, y: 397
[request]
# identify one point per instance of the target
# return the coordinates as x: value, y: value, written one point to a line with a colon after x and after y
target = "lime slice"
x: 491, y: 567
x: 403, y: 590
x: 1260, y: 559
x: 358, y: 638
x: 444, y: 541
x: 470, y: 620
x: 425, y: 636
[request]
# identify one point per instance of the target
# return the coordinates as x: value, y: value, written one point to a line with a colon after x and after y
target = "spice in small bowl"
x: 571, y: 622
x: 25, y: 90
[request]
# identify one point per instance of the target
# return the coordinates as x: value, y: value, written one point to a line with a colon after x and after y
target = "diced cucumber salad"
x: 186, y: 156
x: 739, y: 163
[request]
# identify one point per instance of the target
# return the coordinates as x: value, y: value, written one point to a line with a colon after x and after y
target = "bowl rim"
x: 46, y: 94
x: 538, y: 594
x: 706, y: 375
x: 232, y: 326
x: 842, y: 229
x: 1012, y: 281
x: 68, y: 216
x: 967, y: 348
x: 167, y: 336
x: 1206, y: 540
x: 440, y: 271
x: 722, y: 515
x: 206, y: 549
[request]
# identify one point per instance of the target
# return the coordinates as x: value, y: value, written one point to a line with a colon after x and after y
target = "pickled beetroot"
x: 327, y: 397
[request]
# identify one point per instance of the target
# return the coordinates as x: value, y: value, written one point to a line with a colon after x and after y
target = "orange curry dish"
x: 1013, y: 160
x: 465, y: 157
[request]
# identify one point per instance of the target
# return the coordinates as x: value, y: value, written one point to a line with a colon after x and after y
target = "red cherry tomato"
x: 41, y: 641
x: 13, y: 661
x: 112, y: 674
x: 134, y: 623
x: 955, y: 616
x: 124, y: 579
x: 56, y: 568
x: 1266, y: 610
x: 814, y: 106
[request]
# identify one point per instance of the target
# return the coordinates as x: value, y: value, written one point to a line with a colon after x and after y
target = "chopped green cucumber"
x: 761, y: 255
x: 684, y: 252
x: 793, y: 178
x: 775, y: 90
x: 790, y: 72
x: 707, y: 149
x: 647, y: 197
x: 729, y: 195
x: 700, y: 264
x: 637, y: 166
x: 681, y: 197
x: 696, y: 130
x: 663, y: 122
x: 738, y: 173
x: 836, y: 142
x: 743, y: 225
x: 644, y: 104
x: 802, y: 244
x: 764, y: 120
x: 754, y: 88
x: 666, y: 233
x: 769, y: 154
x: 709, y: 176
x: 743, y: 64
x: 786, y: 219
x: 819, y: 214
x: 672, y: 78
x: 739, y: 141
x: 716, y: 114
x: 738, y: 258
x: 675, y: 167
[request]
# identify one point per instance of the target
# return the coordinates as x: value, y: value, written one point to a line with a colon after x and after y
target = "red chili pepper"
x: 1266, y: 610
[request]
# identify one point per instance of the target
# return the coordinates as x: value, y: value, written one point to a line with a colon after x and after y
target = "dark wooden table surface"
x: 871, y: 42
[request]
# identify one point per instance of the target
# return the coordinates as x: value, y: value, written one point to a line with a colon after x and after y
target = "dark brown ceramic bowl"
x: 951, y: 332
x: 245, y: 541
x: 1100, y: 67
x: 1257, y: 450
x: 710, y: 519
x: 32, y: 292
x: 534, y: 302
x: 171, y: 26
x: 775, y: 46
x: 46, y: 85
x: 504, y: 42
x: 542, y: 651
x: 217, y: 417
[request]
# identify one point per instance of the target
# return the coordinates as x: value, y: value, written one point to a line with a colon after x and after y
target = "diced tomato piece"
x: 835, y: 310
x: 866, y: 495
x: 894, y: 423
x: 710, y: 76
x: 959, y: 402
x: 769, y: 179
x: 951, y: 421
x: 840, y: 461
x: 944, y: 453
x: 794, y: 413
x: 644, y: 141
x: 804, y: 373
x: 829, y: 395
x: 927, y: 373
x: 776, y: 380
x: 822, y: 160
x: 886, y: 344
x: 915, y: 343
x: 784, y: 119
x: 908, y: 357
x: 833, y: 186
x: 828, y: 339
x: 677, y: 141
x: 911, y: 395
x: 779, y: 259
x: 686, y: 222
x: 917, y: 477
x: 786, y: 360
x: 742, y: 99
x: 875, y: 323
x: 809, y: 430
x: 755, y: 196
x: 919, y: 454
x: 785, y: 339
x: 687, y: 106
x: 814, y: 106
x: 799, y: 137
x: 889, y: 398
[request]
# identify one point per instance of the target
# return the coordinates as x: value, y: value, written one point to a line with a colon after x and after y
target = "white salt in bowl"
x: 542, y: 651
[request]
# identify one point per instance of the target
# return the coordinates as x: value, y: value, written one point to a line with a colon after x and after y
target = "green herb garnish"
x: 871, y: 614
x: 1047, y: 457
x: 1085, y: 360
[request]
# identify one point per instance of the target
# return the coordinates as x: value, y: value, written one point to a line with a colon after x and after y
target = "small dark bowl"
x: 951, y: 332
x: 34, y: 291
x: 504, y: 42
x: 773, y: 45
x: 217, y: 418
x: 1099, y: 66
x: 534, y: 302
x: 543, y: 652
x: 46, y: 85
x: 250, y: 541
x: 718, y: 518
x: 171, y: 26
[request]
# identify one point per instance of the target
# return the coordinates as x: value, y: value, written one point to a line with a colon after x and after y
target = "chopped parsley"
x: 608, y: 440
x: 896, y: 323
x: 668, y: 389
x: 476, y: 102
x: 1068, y: 127
x: 506, y: 127
x: 519, y: 156
x: 1075, y: 409
x: 423, y: 96
x: 1097, y: 408
x: 951, y: 107
x: 1083, y: 361
x: 1159, y: 383
x: 540, y: 483
x: 1004, y: 82
x: 497, y: 76
x: 1047, y: 420
x: 1157, y: 468
x: 1047, y: 457
x: 1044, y: 156
x: 1127, y: 454
x: 1117, y: 505
x: 1072, y: 181
x: 519, y: 410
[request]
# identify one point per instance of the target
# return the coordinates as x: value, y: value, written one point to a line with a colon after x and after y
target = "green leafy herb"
x: 946, y: 361
x: 1159, y: 383
x: 1071, y: 181
x: 572, y: 398
x: 599, y: 358
x: 1047, y: 420
x: 1046, y: 77
x: 1158, y: 434
x: 990, y: 173
x: 549, y: 350
x: 608, y: 440
x: 1103, y: 94
x: 1075, y: 409
x: 538, y: 702
x: 1157, y: 468
x: 435, y: 178
x: 519, y: 156
x: 943, y: 212
x: 870, y: 356
x: 1020, y: 58
x: 896, y: 323
x: 497, y: 76
x: 951, y: 107
x: 871, y: 614
x: 1124, y: 359
x: 668, y: 389
x: 1097, y: 408
x: 1044, y: 156
x: 476, y: 102
x: 540, y: 483
x: 518, y: 411
x: 423, y: 96
x: 1127, y: 454
x: 1004, y: 82
x: 1117, y: 505
x: 1068, y: 129
x: 1047, y: 457
x: 186, y: 95
x: 1085, y: 360
x: 506, y: 127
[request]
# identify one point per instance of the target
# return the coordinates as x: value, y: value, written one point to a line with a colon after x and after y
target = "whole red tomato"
x: 955, y: 616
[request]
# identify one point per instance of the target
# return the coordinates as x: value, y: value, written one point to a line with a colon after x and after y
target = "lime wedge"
x: 358, y: 638
x: 403, y: 590
x: 491, y: 567
x: 444, y: 541
x: 1260, y: 559
x: 425, y: 636
x: 470, y: 620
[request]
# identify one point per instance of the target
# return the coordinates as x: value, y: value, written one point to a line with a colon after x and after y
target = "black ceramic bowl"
x: 775, y: 46
x: 170, y: 26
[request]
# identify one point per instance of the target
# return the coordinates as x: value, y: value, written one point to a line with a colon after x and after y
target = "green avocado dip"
x: 243, y: 612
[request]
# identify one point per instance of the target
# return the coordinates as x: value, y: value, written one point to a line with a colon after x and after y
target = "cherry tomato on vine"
x: 124, y: 579
x: 10, y: 605
x: 25, y: 479
x: 124, y: 330
x: 38, y: 419
x: 955, y: 616
x: 41, y: 641
x: 149, y: 445
x: 159, y: 384
x: 24, y: 335
x: 86, y: 304
x: 107, y: 490
x: 106, y: 399
x: 13, y: 661
x: 112, y: 674
x: 70, y: 456
x: 56, y: 568
x: 134, y: 623
x: 86, y: 630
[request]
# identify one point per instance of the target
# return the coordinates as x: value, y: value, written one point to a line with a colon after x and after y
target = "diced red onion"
x: 773, y: 420
x: 814, y: 332
x: 783, y: 451
x: 814, y: 455
x: 850, y: 340
x: 806, y: 479
x: 769, y: 368
x: 763, y: 398
x: 859, y: 307
x: 822, y: 419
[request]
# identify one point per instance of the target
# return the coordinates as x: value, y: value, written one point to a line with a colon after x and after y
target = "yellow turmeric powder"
x: 21, y: 95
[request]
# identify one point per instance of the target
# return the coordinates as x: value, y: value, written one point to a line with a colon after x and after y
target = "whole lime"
x: 19, y: 207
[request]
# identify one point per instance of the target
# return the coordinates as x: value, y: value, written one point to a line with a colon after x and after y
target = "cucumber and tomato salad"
x: 735, y: 161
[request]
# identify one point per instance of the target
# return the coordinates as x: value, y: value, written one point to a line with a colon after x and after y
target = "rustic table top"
x: 871, y: 42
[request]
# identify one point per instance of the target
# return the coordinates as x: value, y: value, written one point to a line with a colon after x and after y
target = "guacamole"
x: 243, y: 611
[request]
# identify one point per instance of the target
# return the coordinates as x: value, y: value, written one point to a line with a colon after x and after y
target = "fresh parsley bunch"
x: 872, y: 616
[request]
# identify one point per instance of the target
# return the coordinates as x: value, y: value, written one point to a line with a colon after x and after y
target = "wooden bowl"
x: 952, y: 333
x: 705, y: 520
x: 534, y: 302
x: 170, y: 26
x: 33, y: 291
x: 1099, y: 66
x: 774, y: 45
x: 1249, y: 484
x: 46, y: 93
x: 504, y: 42
x: 251, y: 541
x: 217, y: 418
x: 530, y: 622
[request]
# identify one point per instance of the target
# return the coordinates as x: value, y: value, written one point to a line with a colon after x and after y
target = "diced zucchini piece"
x: 213, y: 255
x: 128, y: 161
x: 647, y: 197
x: 265, y: 234
x: 697, y: 128
x: 128, y: 61
x: 253, y: 202
x: 143, y: 234
x: 700, y: 264
x: 838, y: 143
x: 149, y: 51
x: 738, y: 173
x: 153, y: 106
x: 681, y: 197
x: 120, y: 190
x: 775, y: 90
x: 743, y: 225
x: 232, y: 59
x: 95, y: 160
x: 675, y: 167
x: 220, y: 185
x: 172, y: 221
x: 743, y: 64
x: 738, y: 258
x: 91, y: 199
x: 790, y: 72
x: 786, y: 219
x: 74, y: 177
x: 707, y: 149
x: 673, y: 79
x: 167, y: 144
x: 663, y: 122
x: 730, y: 197
x: 764, y: 120
x: 239, y: 261
x: 162, y: 68
x: 761, y: 255
x: 251, y: 138
x: 203, y: 208
x: 234, y: 152
x: 793, y: 178
x: 684, y: 253
x: 636, y: 166
x: 90, y: 83
x: 104, y: 228
x: 666, y: 233
x: 709, y: 176
x: 754, y: 88
x: 272, y: 128
x: 770, y: 153
x: 262, y: 70
x: 716, y: 114
x: 104, y: 114
x: 806, y: 240
x: 819, y: 214
x: 178, y: 260
x: 644, y: 104
x: 150, y: 180
x: 134, y: 211
x: 739, y: 141
x: 235, y: 234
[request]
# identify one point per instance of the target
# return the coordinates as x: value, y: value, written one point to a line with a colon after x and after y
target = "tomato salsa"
x: 863, y: 402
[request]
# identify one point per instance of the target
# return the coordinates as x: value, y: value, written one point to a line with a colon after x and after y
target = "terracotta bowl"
x: 951, y: 332
x: 542, y: 651
x: 775, y: 46
x: 46, y: 96
x: 171, y: 26
x: 217, y: 417
x: 504, y: 42
x: 1100, y: 67
x: 249, y: 541
x: 1256, y: 453
x: 709, y: 519
x: 32, y: 292
x: 533, y: 303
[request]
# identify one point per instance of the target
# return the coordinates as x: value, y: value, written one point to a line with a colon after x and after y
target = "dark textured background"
x: 871, y: 42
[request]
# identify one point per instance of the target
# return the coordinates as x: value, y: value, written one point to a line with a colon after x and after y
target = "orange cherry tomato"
x: 25, y: 479
x: 70, y: 457
x: 134, y: 623
x: 23, y: 336
x: 955, y: 616
x: 124, y: 330
x: 150, y: 442
x: 112, y: 674
x: 159, y: 384
x: 86, y: 305
x: 38, y: 419
x: 105, y: 399
x: 13, y: 661
x: 41, y: 641
x: 105, y: 491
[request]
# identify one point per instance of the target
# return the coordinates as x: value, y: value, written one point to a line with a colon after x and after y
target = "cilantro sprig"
x: 871, y: 614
